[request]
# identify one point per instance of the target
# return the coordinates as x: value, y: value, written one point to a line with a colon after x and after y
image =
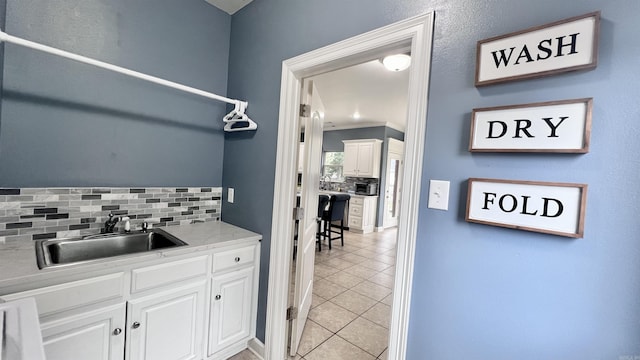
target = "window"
x: 332, y: 168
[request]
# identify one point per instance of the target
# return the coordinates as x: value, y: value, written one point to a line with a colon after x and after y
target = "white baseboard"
x: 257, y: 347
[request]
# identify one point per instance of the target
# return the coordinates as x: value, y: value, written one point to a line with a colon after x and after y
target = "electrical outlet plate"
x: 230, y: 195
x: 438, y: 194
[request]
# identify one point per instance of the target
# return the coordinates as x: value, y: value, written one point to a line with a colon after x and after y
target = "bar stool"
x: 323, y: 200
x: 337, y: 204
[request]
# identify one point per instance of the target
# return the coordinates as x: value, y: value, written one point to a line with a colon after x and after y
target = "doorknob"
x: 135, y: 325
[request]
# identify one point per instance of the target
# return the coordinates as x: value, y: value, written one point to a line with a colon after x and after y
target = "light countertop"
x: 18, y: 261
x: 329, y: 192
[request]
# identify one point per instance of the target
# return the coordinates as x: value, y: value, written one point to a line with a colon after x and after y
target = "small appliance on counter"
x: 366, y: 189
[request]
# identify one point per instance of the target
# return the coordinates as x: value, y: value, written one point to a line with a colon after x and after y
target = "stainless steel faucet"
x: 324, y: 179
x: 110, y: 224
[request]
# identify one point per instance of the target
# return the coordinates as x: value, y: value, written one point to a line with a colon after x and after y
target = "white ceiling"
x: 379, y: 95
x: 229, y: 6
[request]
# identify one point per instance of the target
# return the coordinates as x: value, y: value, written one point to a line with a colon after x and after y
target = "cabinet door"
x: 350, y: 162
x: 368, y: 213
x: 231, y: 298
x: 95, y: 335
x: 167, y: 325
x: 365, y: 160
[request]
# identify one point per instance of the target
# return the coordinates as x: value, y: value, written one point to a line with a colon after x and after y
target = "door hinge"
x: 298, y: 213
x: 305, y: 110
x: 292, y: 313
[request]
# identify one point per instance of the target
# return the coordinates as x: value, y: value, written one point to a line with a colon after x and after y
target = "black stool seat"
x: 337, y: 205
x: 323, y: 200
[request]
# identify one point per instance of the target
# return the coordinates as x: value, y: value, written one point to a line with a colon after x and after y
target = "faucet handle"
x: 127, y: 223
x: 145, y: 226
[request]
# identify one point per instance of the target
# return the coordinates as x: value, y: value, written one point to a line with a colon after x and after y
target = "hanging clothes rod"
x: 237, y: 115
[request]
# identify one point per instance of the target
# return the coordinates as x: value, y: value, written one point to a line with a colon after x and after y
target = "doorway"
x: 416, y: 34
x: 350, y: 284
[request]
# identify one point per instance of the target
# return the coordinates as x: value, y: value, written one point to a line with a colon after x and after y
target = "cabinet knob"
x: 218, y: 297
x: 135, y: 325
x: 237, y: 259
x: 117, y: 331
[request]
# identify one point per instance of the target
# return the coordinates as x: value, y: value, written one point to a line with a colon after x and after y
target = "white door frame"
x: 418, y: 33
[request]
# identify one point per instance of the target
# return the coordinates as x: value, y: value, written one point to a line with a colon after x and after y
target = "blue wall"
x: 332, y: 140
x: 68, y: 124
x: 480, y: 292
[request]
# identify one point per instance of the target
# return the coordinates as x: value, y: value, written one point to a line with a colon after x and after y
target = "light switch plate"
x: 438, y: 194
x: 230, y: 195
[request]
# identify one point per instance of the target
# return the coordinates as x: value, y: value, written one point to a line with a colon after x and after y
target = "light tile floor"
x: 352, y: 294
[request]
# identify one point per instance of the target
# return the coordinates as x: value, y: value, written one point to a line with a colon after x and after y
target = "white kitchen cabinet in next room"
x: 362, y: 213
x: 362, y: 158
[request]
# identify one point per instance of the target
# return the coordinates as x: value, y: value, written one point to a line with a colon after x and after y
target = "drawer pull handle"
x: 218, y: 297
x: 135, y: 325
x: 237, y: 259
x: 117, y: 331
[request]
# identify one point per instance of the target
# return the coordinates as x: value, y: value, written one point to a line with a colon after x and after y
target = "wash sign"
x: 561, y: 46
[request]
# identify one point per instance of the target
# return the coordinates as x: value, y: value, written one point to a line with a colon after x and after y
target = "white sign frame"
x: 539, y: 51
x: 562, y: 126
x: 521, y: 205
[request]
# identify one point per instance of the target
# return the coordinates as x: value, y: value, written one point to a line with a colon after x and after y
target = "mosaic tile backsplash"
x: 47, y: 213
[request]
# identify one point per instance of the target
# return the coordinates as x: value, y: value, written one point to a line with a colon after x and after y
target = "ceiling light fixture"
x: 396, y: 62
x: 356, y: 115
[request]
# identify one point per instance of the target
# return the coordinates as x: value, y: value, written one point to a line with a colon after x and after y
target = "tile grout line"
x: 376, y: 272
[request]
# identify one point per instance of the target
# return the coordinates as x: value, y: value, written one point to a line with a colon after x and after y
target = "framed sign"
x: 566, y: 45
x: 554, y: 126
x: 545, y: 207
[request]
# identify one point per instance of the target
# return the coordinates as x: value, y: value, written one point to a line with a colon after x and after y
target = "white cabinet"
x: 74, y: 326
x: 362, y: 213
x: 230, y: 309
x: 233, y: 301
x: 362, y: 158
x: 167, y: 325
x: 95, y: 335
x: 20, y: 331
x: 163, y: 310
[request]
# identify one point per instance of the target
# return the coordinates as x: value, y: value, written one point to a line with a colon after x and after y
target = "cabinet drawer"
x: 233, y: 258
x: 75, y: 294
x: 153, y: 276
x: 355, y: 222
x: 355, y: 210
x: 355, y: 201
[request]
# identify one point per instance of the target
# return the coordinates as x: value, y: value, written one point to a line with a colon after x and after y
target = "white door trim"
x: 394, y: 146
x: 418, y: 32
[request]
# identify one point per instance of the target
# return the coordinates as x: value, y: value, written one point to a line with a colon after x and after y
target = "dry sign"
x: 566, y: 45
x: 555, y: 126
x: 552, y: 208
